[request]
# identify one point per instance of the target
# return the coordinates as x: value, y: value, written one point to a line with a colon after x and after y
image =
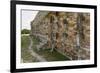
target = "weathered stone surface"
x: 61, y: 30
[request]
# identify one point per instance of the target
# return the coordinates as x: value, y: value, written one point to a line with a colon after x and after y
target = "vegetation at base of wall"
x: 47, y: 54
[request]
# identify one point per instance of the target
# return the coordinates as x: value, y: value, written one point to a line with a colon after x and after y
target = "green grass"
x: 52, y: 56
x: 47, y: 54
x: 25, y: 54
x: 25, y: 41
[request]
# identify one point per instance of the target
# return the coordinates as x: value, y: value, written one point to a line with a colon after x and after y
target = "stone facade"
x: 67, y: 32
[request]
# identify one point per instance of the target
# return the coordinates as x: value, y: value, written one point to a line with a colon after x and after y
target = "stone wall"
x: 67, y: 32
